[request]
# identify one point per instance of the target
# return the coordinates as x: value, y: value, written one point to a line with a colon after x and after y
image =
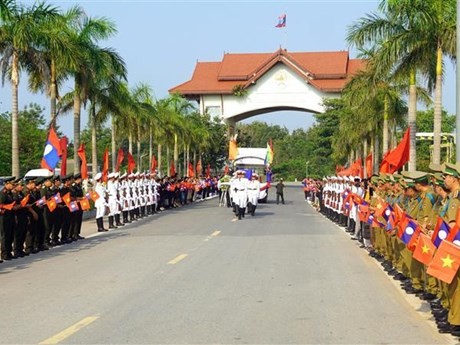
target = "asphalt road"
x: 196, y: 275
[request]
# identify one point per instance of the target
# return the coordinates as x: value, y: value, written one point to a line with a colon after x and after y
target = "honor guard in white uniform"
x: 100, y: 203
x: 240, y: 189
x: 253, y: 193
x: 112, y: 192
x: 124, y: 199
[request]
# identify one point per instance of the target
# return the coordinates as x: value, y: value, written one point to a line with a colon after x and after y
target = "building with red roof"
x: 244, y: 85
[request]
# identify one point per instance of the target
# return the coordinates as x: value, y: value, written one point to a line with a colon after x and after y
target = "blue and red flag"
x: 409, y: 229
x: 454, y: 235
x: 387, y: 213
x: 281, y: 21
x: 57, y: 198
x: 52, y: 152
x: 441, y: 232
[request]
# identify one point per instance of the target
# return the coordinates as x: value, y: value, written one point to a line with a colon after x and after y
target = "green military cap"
x: 417, y: 176
x: 40, y: 180
x: 438, y: 179
x: 374, y: 179
x: 451, y: 169
x: 408, y: 182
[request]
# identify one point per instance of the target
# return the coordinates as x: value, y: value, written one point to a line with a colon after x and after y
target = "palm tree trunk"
x: 53, y: 92
x: 139, y: 158
x: 385, y: 126
x: 185, y: 160
x: 194, y: 162
x: 159, y: 159
x: 114, y: 144
x: 437, y: 110
x: 15, y: 170
x: 372, y: 150
x: 412, y: 116
x: 376, y: 152
x: 76, y: 128
x: 167, y: 161
x: 176, y: 151
x: 364, y: 157
x: 150, y: 148
x: 93, y: 140
x: 130, y: 142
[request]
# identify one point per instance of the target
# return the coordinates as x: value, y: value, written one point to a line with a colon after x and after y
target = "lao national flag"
x: 41, y: 202
x: 441, y: 231
x: 57, y: 198
x: 52, y: 152
x: 387, y: 213
x: 73, y: 206
x: 281, y: 21
x: 409, y: 228
x: 454, y: 235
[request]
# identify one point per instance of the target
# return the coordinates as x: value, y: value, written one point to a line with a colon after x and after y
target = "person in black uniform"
x: 21, y: 213
x: 76, y: 192
x: 40, y: 243
x: 66, y: 216
x: 57, y: 225
x: 7, y: 219
x: 31, y: 242
x: 48, y: 192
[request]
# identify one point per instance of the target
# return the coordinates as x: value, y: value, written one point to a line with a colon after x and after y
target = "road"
x: 196, y: 275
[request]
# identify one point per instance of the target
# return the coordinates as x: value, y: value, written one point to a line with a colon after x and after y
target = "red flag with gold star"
x: 51, y: 203
x: 445, y: 263
x: 424, y: 250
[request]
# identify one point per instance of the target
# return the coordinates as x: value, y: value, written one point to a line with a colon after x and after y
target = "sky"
x: 161, y: 41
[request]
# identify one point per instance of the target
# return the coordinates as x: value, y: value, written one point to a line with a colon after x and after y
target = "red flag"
x: 84, y: 204
x: 190, y: 172
x: 131, y: 163
x: 400, y: 155
x: 445, y: 263
x: 52, y: 152
x: 369, y: 169
x: 424, y: 250
x: 8, y: 207
x: 154, y: 164
x: 25, y: 200
x: 66, y: 199
x: 105, y: 167
x: 120, y: 157
x: 199, y: 168
x: 93, y: 195
x: 51, y: 203
x: 63, y: 145
x: 208, y: 171
x: 84, y: 167
x: 172, y: 169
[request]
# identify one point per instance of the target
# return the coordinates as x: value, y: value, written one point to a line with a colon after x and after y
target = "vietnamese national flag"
x: 131, y: 163
x: 52, y: 152
x: 84, y: 204
x: 84, y: 166
x: 445, y: 263
x: 424, y: 250
x: 8, y: 207
x: 380, y: 208
x: 25, y: 200
x: 66, y: 199
x: 399, y: 156
x: 63, y: 145
x: 93, y: 195
x: 363, y: 212
x: 369, y: 168
x: 441, y: 232
x: 190, y: 172
x: 208, y: 171
x: 51, y: 203
x: 120, y: 157
x: 105, y: 166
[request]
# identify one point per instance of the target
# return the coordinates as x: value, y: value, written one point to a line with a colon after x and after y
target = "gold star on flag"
x: 425, y: 249
x: 447, y: 261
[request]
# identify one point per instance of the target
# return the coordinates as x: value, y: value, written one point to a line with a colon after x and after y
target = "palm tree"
x: 20, y: 36
x: 94, y: 60
x: 398, y: 36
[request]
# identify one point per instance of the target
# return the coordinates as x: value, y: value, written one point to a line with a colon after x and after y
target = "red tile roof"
x: 326, y: 71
